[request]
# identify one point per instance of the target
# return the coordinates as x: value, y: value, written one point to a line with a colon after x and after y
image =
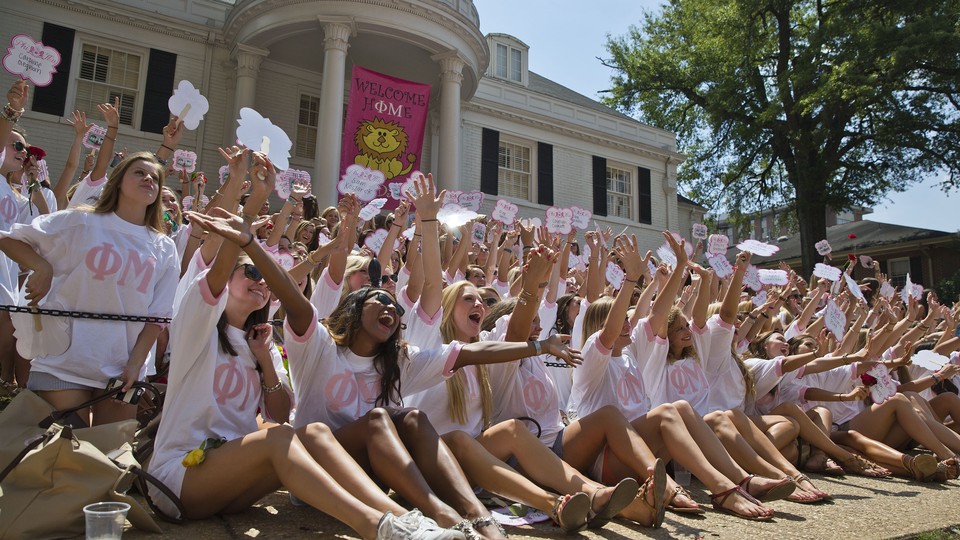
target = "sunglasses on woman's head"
x: 252, y: 273
x: 385, y: 299
x: 18, y: 146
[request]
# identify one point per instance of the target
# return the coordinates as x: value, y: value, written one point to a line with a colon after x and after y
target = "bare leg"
x: 947, y: 405
x: 7, y: 348
x: 817, y: 437
x: 441, y: 469
x: 319, y: 441
x: 389, y: 460
x: 239, y: 473
x: 739, y: 448
x: 947, y: 436
x: 877, y: 422
x: 875, y: 450
x: 782, y: 432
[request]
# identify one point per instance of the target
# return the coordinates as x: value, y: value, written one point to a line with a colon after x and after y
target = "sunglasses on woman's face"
x: 18, y: 146
x: 490, y: 301
x: 250, y: 272
x: 392, y: 277
x: 385, y: 299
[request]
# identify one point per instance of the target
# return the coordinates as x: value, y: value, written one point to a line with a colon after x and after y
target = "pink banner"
x: 382, y: 135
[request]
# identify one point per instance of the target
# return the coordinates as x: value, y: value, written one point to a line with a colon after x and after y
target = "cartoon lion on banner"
x: 379, y: 144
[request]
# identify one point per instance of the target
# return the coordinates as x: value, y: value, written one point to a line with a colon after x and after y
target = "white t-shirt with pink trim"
x: 88, y: 192
x: 13, y: 210
x: 210, y: 393
x: 101, y: 264
x: 772, y: 386
x: 326, y: 294
x: 667, y: 382
x: 605, y: 380
x: 839, y: 380
x: 335, y: 386
x: 728, y: 390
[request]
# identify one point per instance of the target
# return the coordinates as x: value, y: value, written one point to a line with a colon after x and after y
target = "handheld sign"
x: 823, y: 248
x: 184, y: 160
x: 928, y: 359
x: 720, y: 265
x: 505, y: 212
x: 866, y: 261
x: 581, y: 217
x: 717, y: 244
x: 826, y: 271
x: 188, y: 105
x: 223, y: 173
x: 454, y: 215
x: 31, y: 60
x: 479, y: 233
x: 751, y: 278
x: 363, y: 182
x: 559, y: 220
x: 773, y: 277
x: 261, y: 135
x: 615, y: 275
x: 884, y: 388
x: 188, y: 202
x: 699, y: 231
x: 854, y: 287
x: 834, y: 319
x: 887, y: 290
x: 471, y: 200
x: 761, y: 249
x: 372, y: 208
x: 94, y: 137
x: 759, y: 299
x: 375, y: 240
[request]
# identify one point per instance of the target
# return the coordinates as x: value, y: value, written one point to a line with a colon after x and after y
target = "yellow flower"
x: 193, y: 458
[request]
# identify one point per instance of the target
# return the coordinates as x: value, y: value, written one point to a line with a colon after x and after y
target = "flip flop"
x: 696, y: 510
x: 623, y: 494
x: 719, y: 498
x: 780, y: 490
x: 570, y: 512
x: 659, y: 481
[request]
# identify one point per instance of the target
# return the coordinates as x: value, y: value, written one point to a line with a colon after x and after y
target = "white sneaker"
x: 413, y: 526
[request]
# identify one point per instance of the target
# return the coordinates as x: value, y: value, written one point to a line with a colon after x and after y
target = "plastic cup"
x: 105, y: 520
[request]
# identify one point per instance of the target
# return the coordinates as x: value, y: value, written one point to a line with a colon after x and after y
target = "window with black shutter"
x: 545, y: 174
x: 599, y: 186
x: 52, y: 99
x: 489, y: 156
x: 644, y: 196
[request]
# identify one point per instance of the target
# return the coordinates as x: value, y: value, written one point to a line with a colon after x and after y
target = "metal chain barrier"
x: 85, y: 315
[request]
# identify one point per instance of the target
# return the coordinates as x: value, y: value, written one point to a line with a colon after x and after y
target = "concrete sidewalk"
x: 862, y: 508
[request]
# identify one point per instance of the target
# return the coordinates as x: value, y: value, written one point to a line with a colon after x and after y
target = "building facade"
x: 493, y: 125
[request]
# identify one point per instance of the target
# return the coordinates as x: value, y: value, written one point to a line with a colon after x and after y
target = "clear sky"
x: 567, y: 36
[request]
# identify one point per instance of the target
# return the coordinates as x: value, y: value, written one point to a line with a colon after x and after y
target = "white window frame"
x: 532, y: 175
x: 144, y: 54
x: 315, y: 128
x: 504, y: 68
x: 631, y: 184
x: 898, y: 280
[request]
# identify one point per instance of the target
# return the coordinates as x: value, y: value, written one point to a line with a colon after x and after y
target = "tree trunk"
x: 812, y: 215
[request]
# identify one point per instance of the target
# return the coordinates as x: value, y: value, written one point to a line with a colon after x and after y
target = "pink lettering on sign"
x: 142, y: 270
x: 103, y: 261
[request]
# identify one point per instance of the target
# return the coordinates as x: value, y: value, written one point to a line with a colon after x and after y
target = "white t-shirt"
x: 210, y: 394
x: 335, y: 386
x: 728, y: 390
x: 772, y: 386
x: 840, y: 380
x: 87, y: 192
x: 604, y: 380
x: 667, y: 382
x: 101, y: 264
x: 326, y: 294
x: 13, y: 209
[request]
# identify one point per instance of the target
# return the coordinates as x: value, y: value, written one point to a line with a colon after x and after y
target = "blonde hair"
x: 596, y: 316
x: 110, y: 198
x: 354, y: 264
x: 456, y: 385
x: 688, y: 352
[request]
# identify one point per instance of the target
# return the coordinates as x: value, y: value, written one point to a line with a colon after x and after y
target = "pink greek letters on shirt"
x: 230, y: 380
x: 8, y: 208
x: 104, y: 260
x: 341, y: 390
x: 143, y: 270
x: 629, y: 388
x: 686, y: 380
x: 534, y: 394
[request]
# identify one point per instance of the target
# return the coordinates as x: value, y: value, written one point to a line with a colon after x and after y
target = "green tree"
x: 807, y: 103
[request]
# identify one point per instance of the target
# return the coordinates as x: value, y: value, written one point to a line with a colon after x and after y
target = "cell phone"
x: 131, y: 396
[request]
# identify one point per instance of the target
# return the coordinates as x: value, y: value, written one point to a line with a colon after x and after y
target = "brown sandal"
x: 864, y: 467
x: 657, y: 480
x: 921, y: 466
x: 719, y: 498
x: 696, y: 510
x: 781, y: 490
x: 947, y: 469
x: 623, y: 494
x: 570, y: 512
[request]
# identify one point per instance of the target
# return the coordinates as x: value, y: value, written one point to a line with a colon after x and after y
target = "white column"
x: 248, y: 61
x: 451, y: 77
x: 330, y: 130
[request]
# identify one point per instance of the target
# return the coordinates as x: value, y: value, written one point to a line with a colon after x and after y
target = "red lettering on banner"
x: 341, y: 390
x: 8, y: 209
x: 143, y: 270
x: 103, y: 261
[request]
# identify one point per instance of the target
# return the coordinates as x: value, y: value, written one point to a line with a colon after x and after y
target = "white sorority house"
x: 493, y: 125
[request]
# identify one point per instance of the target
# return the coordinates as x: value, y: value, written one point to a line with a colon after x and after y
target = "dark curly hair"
x: 344, y: 324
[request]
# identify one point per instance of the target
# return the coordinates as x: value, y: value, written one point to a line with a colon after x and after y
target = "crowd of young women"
x: 437, y: 366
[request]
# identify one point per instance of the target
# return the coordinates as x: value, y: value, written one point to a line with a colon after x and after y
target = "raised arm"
x: 172, y: 133
x: 539, y: 263
x: 663, y: 304
x: 646, y: 297
x: 629, y: 254
x: 702, y: 288
x: 80, y: 127
x: 111, y: 113
x: 728, y: 310
x: 349, y: 209
x: 385, y: 255
x: 428, y: 202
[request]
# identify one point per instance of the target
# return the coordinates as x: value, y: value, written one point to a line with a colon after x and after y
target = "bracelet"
x: 527, y: 248
x: 542, y: 285
x: 631, y: 280
x: 309, y: 260
x: 271, y: 389
x: 428, y: 220
x: 10, y: 114
x: 247, y: 218
x: 537, y: 347
x: 936, y: 380
x: 163, y: 162
x: 752, y: 316
x: 764, y: 315
x: 839, y: 397
x: 111, y: 139
x: 250, y: 241
x: 167, y: 147
x: 394, y: 224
